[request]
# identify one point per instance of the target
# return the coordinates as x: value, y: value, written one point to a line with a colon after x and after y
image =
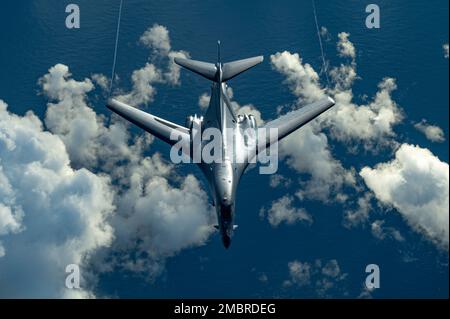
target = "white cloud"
x: 159, y: 219
x: 88, y: 141
x: 323, y: 278
x: 50, y: 214
x: 143, y: 91
x: 345, y: 47
x: 263, y: 278
x: 366, y: 293
x: 371, y: 124
x: 279, y: 180
x: 172, y: 75
x: 101, y: 80
x: 344, y: 76
x: 331, y: 269
x: 416, y: 183
x: 301, y: 78
x: 163, y: 218
x: 307, y: 151
x: 382, y: 232
x: 150, y: 222
x: 157, y: 39
x: 360, y: 215
x: 432, y: 132
x: 299, y: 273
x: 282, y: 210
x: 203, y: 101
x: 158, y: 214
x: 324, y: 33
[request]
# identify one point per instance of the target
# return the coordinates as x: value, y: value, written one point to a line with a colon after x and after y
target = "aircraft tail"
x: 219, y: 72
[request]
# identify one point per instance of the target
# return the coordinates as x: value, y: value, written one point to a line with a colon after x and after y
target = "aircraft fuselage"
x: 223, y: 176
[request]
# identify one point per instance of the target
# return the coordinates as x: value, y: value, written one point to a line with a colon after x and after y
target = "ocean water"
x: 407, y: 47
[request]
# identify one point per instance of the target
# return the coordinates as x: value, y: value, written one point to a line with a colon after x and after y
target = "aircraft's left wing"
x: 152, y: 124
x: 292, y: 121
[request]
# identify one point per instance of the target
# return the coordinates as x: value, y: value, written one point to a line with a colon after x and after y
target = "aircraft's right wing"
x: 152, y: 124
x: 288, y: 123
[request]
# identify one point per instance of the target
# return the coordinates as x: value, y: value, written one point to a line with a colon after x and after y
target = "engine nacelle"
x: 252, y: 121
x: 249, y: 127
x: 247, y: 121
x: 190, y: 120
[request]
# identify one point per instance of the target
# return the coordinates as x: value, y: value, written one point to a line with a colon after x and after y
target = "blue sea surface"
x: 407, y: 47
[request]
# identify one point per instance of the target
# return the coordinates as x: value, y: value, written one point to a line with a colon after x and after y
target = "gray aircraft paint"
x: 223, y: 177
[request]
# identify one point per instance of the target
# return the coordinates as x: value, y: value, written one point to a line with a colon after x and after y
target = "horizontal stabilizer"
x: 232, y: 69
x: 208, y: 70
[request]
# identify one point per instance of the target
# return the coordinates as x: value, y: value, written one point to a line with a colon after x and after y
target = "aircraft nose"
x: 226, y: 241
